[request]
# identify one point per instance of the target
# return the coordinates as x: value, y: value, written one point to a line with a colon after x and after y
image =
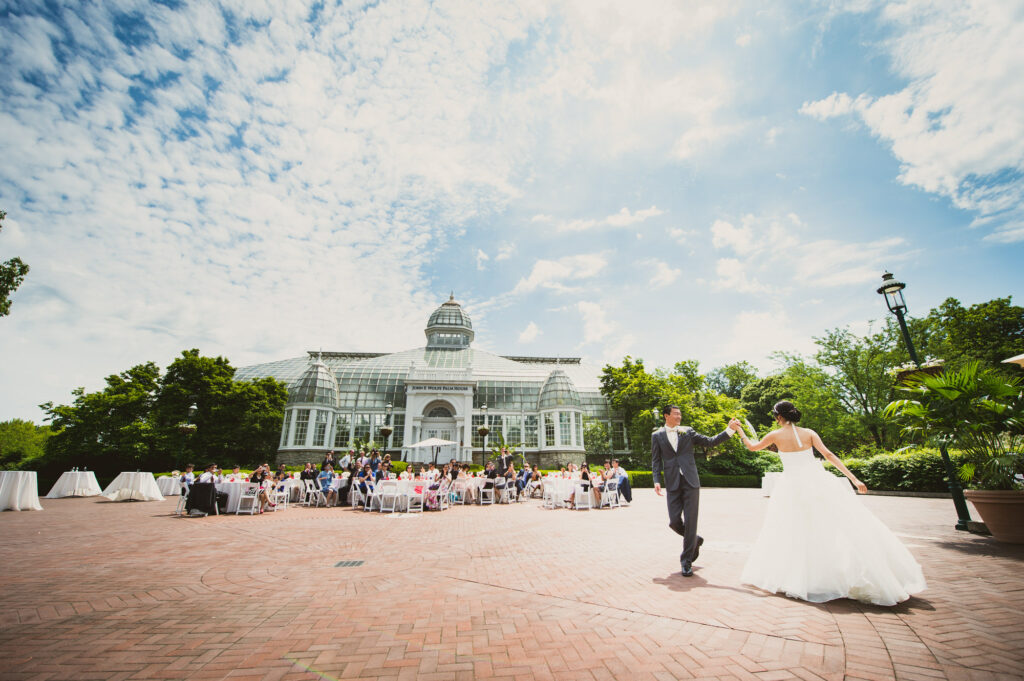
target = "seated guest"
x: 585, y: 477
x: 423, y: 472
x: 491, y: 474
x: 375, y: 461
x: 325, y: 478
x: 406, y: 474
x: 623, y: 477
x: 466, y: 481
x: 308, y: 473
x: 385, y: 465
x: 523, y: 480
x: 236, y: 474
x: 210, y: 475
x: 188, y: 477
x: 261, y: 476
x: 562, y: 473
x: 366, y: 480
x: 433, y: 473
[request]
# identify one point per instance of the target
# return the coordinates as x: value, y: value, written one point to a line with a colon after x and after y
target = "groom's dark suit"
x: 682, y: 484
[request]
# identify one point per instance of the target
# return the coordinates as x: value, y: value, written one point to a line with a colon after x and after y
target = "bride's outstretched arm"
x: 835, y: 461
x: 768, y: 439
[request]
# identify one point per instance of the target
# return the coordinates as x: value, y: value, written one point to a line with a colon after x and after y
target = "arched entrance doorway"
x: 439, y: 421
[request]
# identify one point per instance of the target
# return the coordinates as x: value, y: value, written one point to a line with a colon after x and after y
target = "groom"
x: 672, y: 452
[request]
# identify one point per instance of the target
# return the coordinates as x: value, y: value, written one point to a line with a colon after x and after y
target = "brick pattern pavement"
x: 103, y: 590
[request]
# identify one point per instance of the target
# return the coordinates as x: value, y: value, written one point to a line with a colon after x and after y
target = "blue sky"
x: 671, y: 180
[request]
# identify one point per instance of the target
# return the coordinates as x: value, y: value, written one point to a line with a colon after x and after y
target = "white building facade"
x: 446, y: 390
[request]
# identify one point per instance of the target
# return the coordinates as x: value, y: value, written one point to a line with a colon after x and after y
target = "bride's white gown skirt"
x: 819, y: 542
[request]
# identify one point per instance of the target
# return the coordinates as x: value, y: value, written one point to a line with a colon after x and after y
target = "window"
x: 378, y: 421
x: 361, y: 431
x: 320, y: 428
x: 618, y: 430
x: 549, y: 430
x: 564, y: 428
x: 287, y: 425
x: 439, y: 413
x: 579, y: 430
x: 398, y: 424
x: 530, y: 431
x: 301, y: 425
x: 513, y: 430
x: 342, y: 431
x: 478, y: 439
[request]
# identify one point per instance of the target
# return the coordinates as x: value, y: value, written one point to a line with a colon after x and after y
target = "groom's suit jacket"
x: 678, y: 463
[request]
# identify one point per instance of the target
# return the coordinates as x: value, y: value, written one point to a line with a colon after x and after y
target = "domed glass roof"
x: 558, y: 391
x: 450, y: 314
x: 316, y: 386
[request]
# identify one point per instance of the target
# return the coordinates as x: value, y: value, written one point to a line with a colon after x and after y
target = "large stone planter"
x: 1002, y: 511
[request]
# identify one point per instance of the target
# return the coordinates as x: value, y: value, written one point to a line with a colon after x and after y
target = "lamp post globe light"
x: 892, y: 290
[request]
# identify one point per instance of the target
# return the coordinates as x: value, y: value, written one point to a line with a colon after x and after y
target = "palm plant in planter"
x: 981, y: 413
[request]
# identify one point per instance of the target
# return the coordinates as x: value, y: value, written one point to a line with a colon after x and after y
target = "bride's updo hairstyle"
x: 786, y: 410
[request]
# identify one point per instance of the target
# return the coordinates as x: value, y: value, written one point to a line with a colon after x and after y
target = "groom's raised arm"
x: 709, y: 442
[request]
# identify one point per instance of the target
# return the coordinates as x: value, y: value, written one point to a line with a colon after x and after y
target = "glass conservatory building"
x: 447, y: 390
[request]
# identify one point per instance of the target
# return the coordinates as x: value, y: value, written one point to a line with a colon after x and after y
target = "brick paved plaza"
x: 102, y: 590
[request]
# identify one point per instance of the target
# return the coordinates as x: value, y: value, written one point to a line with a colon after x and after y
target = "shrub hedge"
x: 919, y: 470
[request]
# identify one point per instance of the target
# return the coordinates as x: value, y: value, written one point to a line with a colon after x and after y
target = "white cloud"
x: 530, y: 333
x: 780, y: 254
x: 743, y: 39
x: 957, y: 127
x: 554, y: 274
x: 481, y: 259
x: 505, y: 251
x: 624, y: 218
x: 662, y: 274
x: 596, y: 325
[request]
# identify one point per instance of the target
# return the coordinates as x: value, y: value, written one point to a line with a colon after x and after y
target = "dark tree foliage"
x: 12, y: 273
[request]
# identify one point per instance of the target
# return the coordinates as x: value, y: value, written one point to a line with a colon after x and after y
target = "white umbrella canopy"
x: 1019, y: 359
x: 433, y: 442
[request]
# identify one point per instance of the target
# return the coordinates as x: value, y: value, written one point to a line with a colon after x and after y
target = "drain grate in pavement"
x: 348, y: 563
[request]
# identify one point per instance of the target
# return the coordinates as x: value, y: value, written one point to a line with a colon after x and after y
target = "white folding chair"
x: 610, y: 495
x: 387, y: 490
x: 443, y: 494
x: 182, y: 499
x: 355, y: 495
x: 581, y: 496
x: 553, y: 494
x: 280, y: 498
x: 487, y: 494
x: 249, y: 500
x: 414, y: 499
x: 372, y: 497
x: 458, y: 492
x: 314, y: 497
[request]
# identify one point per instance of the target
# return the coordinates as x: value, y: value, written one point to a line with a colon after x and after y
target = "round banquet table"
x: 133, y: 486
x: 75, y: 484
x: 234, y: 492
x: 563, y: 487
x: 169, y: 485
x: 19, y: 491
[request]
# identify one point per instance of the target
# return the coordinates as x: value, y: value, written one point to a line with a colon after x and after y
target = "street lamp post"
x: 892, y: 290
x: 483, y: 430
x: 187, y: 428
x: 386, y: 431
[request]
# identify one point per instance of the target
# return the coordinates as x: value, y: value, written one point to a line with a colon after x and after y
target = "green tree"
x: 21, y: 443
x: 597, y: 440
x: 758, y: 397
x: 731, y: 379
x: 860, y: 375
x: 236, y: 422
x: 12, y: 273
x: 108, y: 430
x: 988, y: 332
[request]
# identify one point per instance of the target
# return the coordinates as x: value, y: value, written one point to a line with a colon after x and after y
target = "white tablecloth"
x: 133, y: 486
x: 169, y: 485
x: 19, y: 491
x: 75, y: 484
x: 234, y: 492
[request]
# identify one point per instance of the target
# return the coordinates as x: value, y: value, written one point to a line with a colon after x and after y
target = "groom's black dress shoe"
x: 687, y: 568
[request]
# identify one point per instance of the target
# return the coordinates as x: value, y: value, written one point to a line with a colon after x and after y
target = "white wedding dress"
x: 819, y: 542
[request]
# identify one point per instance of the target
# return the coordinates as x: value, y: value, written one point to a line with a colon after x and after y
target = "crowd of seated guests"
x: 339, y: 478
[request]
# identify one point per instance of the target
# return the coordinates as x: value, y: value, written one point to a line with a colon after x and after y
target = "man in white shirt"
x: 210, y: 475
x: 620, y: 476
x: 346, y: 461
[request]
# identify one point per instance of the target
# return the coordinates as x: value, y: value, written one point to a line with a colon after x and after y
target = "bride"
x: 819, y: 542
